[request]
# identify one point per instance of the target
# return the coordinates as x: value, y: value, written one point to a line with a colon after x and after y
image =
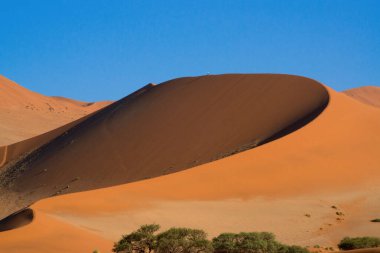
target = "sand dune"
x: 25, y: 114
x: 163, y: 129
x: 368, y: 94
x: 331, y: 161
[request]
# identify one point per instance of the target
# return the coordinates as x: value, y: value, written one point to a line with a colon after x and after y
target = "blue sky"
x: 95, y: 50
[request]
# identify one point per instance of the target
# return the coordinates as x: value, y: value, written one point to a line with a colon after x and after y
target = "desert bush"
x: 349, y: 243
x: 183, y: 240
x: 225, y: 243
x: 252, y: 242
x: 375, y: 220
x: 292, y: 249
x: 142, y: 240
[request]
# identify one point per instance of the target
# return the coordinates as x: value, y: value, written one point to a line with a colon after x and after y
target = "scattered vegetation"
x: 350, y: 243
x: 375, y: 220
x: 187, y: 240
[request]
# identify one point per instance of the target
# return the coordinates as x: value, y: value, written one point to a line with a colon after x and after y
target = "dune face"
x: 163, y: 129
x: 368, y: 95
x: 25, y: 114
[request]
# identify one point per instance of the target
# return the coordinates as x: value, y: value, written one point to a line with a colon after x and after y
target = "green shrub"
x: 142, y: 240
x: 225, y: 243
x: 292, y: 249
x: 253, y: 242
x: 348, y: 243
x: 183, y: 240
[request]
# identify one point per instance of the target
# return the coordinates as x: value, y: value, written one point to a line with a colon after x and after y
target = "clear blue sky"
x: 95, y: 50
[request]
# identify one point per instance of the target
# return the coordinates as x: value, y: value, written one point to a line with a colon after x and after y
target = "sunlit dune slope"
x: 368, y: 94
x: 25, y: 114
x: 163, y: 129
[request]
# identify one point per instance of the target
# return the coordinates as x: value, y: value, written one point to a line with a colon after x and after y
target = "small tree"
x: 183, y: 240
x: 348, y: 243
x: 252, y: 242
x: 141, y: 241
x: 225, y: 243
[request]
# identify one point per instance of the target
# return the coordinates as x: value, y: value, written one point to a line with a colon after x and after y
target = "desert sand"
x: 223, y: 153
x: 368, y: 94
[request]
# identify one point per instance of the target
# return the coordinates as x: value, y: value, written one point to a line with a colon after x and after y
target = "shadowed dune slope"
x: 17, y: 220
x: 368, y: 94
x: 164, y: 129
x: 25, y: 114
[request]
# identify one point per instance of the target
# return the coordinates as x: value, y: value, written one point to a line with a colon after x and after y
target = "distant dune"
x: 25, y: 114
x: 223, y: 153
x: 368, y: 94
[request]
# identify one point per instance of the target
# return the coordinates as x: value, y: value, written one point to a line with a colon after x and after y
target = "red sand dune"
x: 333, y: 160
x: 25, y: 114
x: 163, y: 129
x: 368, y: 94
